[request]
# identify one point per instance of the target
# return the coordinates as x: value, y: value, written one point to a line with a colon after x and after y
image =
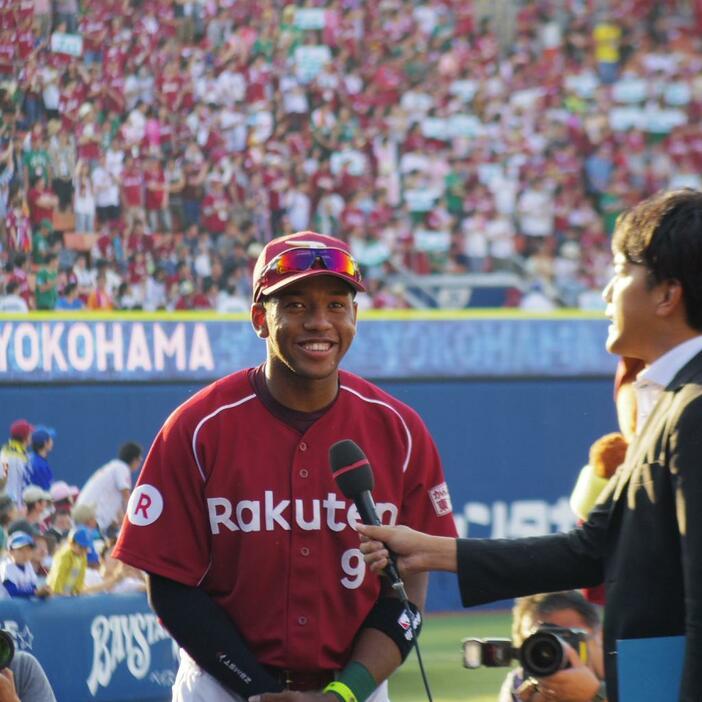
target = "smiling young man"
x: 643, y: 539
x: 253, y: 561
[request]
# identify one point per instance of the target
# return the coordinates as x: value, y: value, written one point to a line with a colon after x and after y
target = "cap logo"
x: 145, y: 505
x: 306, y: 244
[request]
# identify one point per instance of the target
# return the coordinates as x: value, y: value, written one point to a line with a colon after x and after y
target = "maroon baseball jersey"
x: 235, y: 501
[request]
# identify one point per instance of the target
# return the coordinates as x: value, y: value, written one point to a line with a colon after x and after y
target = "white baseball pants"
x: 193, y: 684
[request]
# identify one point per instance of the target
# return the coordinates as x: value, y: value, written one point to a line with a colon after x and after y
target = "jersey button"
x: 302, y: 621
x: 303, y: 446
x: 305, y: 551
x: 304, y: 472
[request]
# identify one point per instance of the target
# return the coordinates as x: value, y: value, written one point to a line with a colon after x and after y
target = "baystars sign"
x: 119, y: 638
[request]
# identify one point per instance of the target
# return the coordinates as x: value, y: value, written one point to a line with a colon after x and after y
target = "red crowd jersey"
x: 235, y: 501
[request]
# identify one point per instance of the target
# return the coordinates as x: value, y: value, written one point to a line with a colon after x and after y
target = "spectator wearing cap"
x: 16, y: 571
x: 14, y: 460
x: 63, y: 495
x: 21, y: 524
x: 70, y: 562
x: 84, y: 515
x: 36, y: 502
x: 40, y: 473
x: 109, y: 487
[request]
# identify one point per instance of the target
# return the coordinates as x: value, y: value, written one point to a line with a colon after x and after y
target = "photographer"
x: 581, y: 681
x: 24, y: 680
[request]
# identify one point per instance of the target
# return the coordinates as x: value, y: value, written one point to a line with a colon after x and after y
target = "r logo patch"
x: 145, y: 505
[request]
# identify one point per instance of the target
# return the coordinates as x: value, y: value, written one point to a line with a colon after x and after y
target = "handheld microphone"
x: 354, y: 476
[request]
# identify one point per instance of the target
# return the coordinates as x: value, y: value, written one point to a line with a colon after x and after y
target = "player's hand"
x: 8, y: 693
x: 290, y: 696
x: 414, y: 551
x: 575, y: 684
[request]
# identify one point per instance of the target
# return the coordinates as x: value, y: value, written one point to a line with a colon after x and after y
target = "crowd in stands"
x: 56, y: 539
x: 149, y: 148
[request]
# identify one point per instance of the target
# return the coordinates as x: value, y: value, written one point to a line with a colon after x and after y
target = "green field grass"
x: 441, y: 652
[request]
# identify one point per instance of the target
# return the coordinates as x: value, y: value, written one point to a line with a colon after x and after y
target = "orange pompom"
x: 607, y: 454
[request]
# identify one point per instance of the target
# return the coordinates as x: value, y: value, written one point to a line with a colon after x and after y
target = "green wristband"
x: 358, y: 679
x: 343, y: 692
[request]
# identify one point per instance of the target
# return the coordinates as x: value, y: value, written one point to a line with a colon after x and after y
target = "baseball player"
x: 252, y: 559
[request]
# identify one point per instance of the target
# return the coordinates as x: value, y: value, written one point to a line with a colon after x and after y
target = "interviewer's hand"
x: 575, y: 684
x: 415, y: 552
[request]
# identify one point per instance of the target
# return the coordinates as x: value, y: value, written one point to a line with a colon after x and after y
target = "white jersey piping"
x: 392, y: 409
x: 209, y: 416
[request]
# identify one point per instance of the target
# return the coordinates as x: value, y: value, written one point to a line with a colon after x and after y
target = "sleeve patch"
x: 145, y: 505
x: 440, y: 499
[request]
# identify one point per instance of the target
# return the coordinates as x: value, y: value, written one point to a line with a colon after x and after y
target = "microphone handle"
x: 366, y: 510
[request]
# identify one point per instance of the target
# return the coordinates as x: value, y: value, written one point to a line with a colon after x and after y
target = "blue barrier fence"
x: 109, y: 648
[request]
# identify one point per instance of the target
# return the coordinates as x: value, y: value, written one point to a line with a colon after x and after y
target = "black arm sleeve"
x: 204, y: 630
x: 497, y: 569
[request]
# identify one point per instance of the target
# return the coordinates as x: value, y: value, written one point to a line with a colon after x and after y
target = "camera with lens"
x: 7, y: 648
x: 542, y: 653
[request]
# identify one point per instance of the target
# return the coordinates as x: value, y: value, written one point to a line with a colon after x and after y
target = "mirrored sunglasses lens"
x: 338, y: 261
x: 295, y: 261
x: 301, y: 260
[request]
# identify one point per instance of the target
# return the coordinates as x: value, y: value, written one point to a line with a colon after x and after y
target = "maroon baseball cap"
x: 334, y: 258
x: 20, y: 429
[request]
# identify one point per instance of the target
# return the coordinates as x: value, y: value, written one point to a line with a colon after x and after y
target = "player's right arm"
x: 166, y: 534
x: 206, y: 632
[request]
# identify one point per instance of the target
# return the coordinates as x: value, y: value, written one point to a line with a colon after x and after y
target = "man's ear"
x: 671, y: 298
x: 258, y: 319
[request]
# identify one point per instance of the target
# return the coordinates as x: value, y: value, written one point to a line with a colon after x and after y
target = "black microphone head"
x: 352, y: 472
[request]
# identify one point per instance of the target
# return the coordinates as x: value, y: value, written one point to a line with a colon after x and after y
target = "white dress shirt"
x: 652, y: 380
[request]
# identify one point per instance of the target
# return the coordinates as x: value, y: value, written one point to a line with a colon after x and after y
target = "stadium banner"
x: 71, y: 44
x: 169, y: 347
x: 97, y: 647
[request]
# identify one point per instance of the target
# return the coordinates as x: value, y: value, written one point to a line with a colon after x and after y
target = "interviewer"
x: 643, y: 539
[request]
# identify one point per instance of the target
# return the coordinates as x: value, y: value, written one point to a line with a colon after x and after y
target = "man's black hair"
x: 130, y: 451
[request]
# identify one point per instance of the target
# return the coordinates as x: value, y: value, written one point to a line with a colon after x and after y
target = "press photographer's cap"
x: 18, y: 540
x: 296, y: 256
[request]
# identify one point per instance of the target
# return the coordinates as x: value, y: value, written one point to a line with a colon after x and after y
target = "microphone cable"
x: 399, y: 588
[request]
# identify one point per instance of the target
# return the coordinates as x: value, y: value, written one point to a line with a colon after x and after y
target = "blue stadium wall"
x: 512, y: 401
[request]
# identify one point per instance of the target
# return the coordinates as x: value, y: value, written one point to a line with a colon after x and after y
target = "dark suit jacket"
x: 643, y: 540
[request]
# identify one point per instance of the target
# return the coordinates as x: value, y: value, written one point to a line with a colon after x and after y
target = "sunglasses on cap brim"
x: 305, y: 259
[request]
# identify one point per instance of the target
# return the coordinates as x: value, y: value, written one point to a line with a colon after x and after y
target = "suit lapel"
x: 643, y: 449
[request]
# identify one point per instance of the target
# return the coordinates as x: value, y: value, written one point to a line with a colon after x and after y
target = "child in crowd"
x: 16, y: 571
x: 70, y: 561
